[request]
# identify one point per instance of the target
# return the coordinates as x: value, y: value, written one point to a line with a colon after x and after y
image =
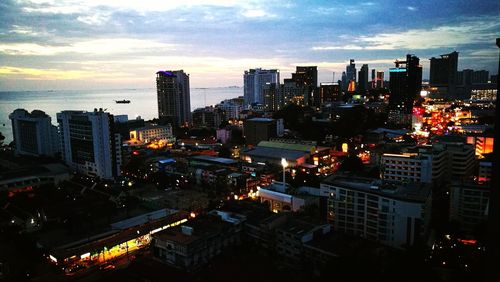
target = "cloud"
x: 473, y: 31
x: 257, y: 13
x: 411, y: 8
x: 41, y: 74
x: 95, y: 47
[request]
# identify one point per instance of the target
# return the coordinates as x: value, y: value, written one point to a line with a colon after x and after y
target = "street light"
x: 284, y: 164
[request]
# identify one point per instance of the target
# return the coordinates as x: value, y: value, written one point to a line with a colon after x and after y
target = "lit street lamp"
x: 284, y: 164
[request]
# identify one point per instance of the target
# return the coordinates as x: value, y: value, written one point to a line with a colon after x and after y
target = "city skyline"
x: 120, y: 44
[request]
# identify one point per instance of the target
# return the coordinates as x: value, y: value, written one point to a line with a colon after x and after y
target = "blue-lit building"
x: 174, y: 100
x: 405, y: 85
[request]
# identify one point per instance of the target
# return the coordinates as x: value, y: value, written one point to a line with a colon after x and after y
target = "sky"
x: 113, y: 44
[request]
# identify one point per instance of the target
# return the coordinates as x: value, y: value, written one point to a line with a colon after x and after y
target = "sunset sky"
x: 95, y: 44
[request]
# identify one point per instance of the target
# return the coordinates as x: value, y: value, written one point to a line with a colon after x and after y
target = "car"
x: 107, y: 266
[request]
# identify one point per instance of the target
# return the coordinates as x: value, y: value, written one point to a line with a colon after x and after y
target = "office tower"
x: 344, y: 81
x: 350, y: 71
x: 306, y: 79
x: 89, y: 143
x: 306, y: 76
x: 363, y: 80
x: 405, y: 86
x: 373, y: 81
x: 254, y: 81
x: 443, y: 73
x: 380, y: 79
x: 34, y: 133
x: 174, y: 100
x: 273, y: 97
x: 291, y: 93
x: 393, y: 213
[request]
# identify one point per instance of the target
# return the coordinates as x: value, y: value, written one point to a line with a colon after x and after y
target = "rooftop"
x: 409, y: 192
x: 276, y: 153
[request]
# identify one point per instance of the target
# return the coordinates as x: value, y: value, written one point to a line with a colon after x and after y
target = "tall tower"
x: 254, y: 81
x: 350, y: 71
x: 34, y: 133
x: 174, y: 100
x: 89, y: 143
x: 363, y: 80
x: 306, y: 79
x: 443, y: 72
x: 405, y: 85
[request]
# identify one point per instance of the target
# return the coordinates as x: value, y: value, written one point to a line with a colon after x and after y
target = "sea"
x: 143, y: 102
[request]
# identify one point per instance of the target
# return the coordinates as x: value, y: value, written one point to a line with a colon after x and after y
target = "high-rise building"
x: 174, y: 100
x: 291, y: 93
x: 350, y: 71
x: 273, y: 97
x: 344, y: 81
x: 34, y: 133
x: 89, y: 143
x: 380, y: 79
x: 363, y: 80
x: 306, y: 79
x: 443, y: 73
x: 405, y: 85
x: 254, y: 81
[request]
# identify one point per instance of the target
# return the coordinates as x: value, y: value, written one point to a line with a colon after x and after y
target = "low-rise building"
x: 153, y: 132
x: 193, y: 244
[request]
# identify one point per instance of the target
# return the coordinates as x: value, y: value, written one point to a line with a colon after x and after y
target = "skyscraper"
x: 350, y: 71
x: 443, y: 72
x: 405, y: 85
x: 174, y: 100
x: 254, y: 81
x: 34, y: 133
x: 306, y: 79
x: 363, y: 80
x: 89, y: 143
x: 273, y: 97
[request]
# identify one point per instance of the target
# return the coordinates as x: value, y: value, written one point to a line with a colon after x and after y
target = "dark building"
x: 273, y: 97
x: 259, y: 129
x: 350, y: 71
x: 363, y: 80
x: 173, y: 96
x: 405, y: 85
x: 306, y: 79
x: 480, y: 76
x: 208, y: 117
x: 329, y: 92
x: 443, y: 72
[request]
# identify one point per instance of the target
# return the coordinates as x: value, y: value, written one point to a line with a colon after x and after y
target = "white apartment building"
x: 34, y: 133
x: 393, y: 213
x: 89, y: 144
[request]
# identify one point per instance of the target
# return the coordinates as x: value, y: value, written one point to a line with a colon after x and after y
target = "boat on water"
x: 122, y: 101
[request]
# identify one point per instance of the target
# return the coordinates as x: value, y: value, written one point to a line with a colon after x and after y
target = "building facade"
x: 34, y: 133
x: 392, y: 213
x: 89, y: 143
x: 174, y: 100
x: 254, y: 81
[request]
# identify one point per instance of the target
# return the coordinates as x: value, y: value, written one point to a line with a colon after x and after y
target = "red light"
x: 135, y: 153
